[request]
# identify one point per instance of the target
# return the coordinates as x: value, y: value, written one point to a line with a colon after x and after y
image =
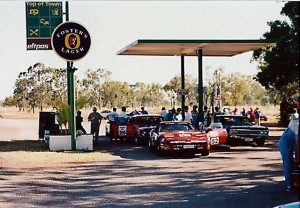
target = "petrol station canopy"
x: 148, y: 47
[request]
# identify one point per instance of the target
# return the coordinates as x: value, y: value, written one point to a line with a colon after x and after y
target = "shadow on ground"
x: 24, y: 145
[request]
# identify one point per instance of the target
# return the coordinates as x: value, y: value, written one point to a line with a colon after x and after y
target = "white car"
x: 289, y: 205
x: 105, y: 113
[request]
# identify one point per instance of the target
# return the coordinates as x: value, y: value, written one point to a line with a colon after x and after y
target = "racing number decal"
x: 214, y: 141
x: 122, y: 130
x: 214, y: 137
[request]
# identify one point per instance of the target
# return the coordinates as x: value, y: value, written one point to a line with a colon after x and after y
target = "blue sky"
x: 115, y: 24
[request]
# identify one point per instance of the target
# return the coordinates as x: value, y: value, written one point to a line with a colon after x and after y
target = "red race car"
x: 142, y: 125
x: 217, y: 134
x: 172, y: 136
x: 135, y: 128
x: 120, y: 128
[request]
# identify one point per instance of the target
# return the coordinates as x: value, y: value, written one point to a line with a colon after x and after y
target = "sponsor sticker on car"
x: 122, y: 130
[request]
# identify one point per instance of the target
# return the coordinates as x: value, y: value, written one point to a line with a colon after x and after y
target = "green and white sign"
x: 41, y: 20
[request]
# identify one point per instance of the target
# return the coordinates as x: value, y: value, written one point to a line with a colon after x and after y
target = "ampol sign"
x: 71, y: 41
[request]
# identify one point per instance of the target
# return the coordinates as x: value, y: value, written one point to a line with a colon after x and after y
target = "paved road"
x: 243, y: 176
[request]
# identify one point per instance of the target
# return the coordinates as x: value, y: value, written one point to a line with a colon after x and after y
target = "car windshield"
x: 216, y: 125
x: 235, y: 121
x: 166, y: 127
x: 148, y: 120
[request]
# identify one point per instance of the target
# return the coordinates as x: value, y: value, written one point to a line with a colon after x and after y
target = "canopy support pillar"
x: 182, y: 87
x: 200, y: 86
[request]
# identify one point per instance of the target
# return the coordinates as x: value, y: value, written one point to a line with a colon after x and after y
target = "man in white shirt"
x: 163, y: 112
x: 123, y: 113
x: 188, y: 115
x: 177, y: 115
x: 113, y: 115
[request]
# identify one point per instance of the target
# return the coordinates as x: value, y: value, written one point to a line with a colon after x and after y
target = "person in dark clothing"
x: 143, y: 111
x: 170, y: 115
x: 79, y: 120
x: 95, y: 119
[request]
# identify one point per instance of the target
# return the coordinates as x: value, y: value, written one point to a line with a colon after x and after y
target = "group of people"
x: 95, y: 119
x: 253, y: 115
x: 177, y: 115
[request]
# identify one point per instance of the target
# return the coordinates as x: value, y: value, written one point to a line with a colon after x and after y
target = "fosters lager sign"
x: 71, y: 41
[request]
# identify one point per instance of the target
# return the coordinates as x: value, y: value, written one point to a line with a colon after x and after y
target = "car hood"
x: 184, y: 135
x: 148, y: 127
x: 250, y: 127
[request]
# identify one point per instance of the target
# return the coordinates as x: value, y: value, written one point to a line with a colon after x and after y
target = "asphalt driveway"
x: 131, y: 176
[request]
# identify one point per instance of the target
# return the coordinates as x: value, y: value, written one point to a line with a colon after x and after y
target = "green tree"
x: 237, y: 89
x: 279, y: 64
x: 92, y: 85
x: 174, y: 85
x: 64, y: 111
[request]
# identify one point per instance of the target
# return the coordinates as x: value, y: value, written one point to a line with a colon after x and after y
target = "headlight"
x: 233, y: 131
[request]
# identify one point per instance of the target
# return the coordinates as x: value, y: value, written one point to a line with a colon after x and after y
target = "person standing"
x: 287, y: 147
x: 123, y: 112
x: 113, y: 115
x: 177, y: 115
x: 188, y: 115
x: 257, y: 116
x: 251, y: 115
x: 143, y: 111
x: 243, y: 112
x: 163, y: 112
x: 170, y: 115
x: 79, y: 120
x: 295, y: 114
x: 95, y: 119
x: 195, y: 116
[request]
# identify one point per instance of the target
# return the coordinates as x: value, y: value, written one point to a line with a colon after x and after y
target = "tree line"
x: 42, y: 87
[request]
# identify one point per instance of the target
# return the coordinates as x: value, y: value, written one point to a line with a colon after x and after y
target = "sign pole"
x: 71, y: 46
x: 71, y: 93
x: 72, y: 106
x: 68, y: 62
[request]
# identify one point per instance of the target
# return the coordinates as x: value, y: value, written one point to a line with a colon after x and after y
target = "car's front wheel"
x: 261, y: 142
x: 136, y: 140
x: 205, y: 153
x: 160, y: 152
x: 150, y: 145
